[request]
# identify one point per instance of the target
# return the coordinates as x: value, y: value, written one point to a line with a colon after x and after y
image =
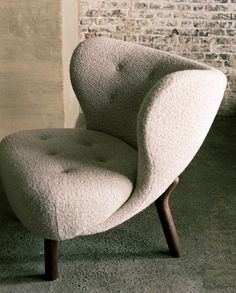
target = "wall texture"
x: 30, y: 65
x: 69, y: 42
x: 37, y: 38
x: 204, y: 30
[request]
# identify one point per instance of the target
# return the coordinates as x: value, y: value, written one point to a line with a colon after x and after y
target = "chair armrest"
x: 173, y: 122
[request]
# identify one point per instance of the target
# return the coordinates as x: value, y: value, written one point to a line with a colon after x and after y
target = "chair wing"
x: 173, y: 122
x: 111, y: 79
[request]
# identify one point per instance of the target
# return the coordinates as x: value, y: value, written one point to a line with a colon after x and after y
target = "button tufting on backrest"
x: 69, y: 170
x: 119, y: 67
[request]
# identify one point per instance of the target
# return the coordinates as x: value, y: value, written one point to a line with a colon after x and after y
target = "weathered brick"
x: 101, y: 21
x: 224, y: 56
x: 216, y: 32
x: 194, y: 56
x: 164, y: 14
x: 189, y: 32
x: 167, y: 22
x: 222, y: 1
x: 203, y: 30
x: 180, y: 1
x: 217, y: 8
x: 211, y: 56
x: 166, y: 6
x: 226, y: 49
x: 224, y: 16
x: 186, y: 23
x: 86, y: 21
x: 224, y: 24
x: 231, y: 32
x: 203, y: 33
x: 184, y: 7
x: 154, y: 6
x: 92, y: 13
x: 198, y: 8
x: 191, y: 15
x: 141, y: 5
x: 225, y: 41
x: 232, y: 60
x: 200, y: 23
x: 196, y: 1
x: 188, y: 40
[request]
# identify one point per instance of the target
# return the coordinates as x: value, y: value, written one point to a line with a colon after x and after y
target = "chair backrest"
x: 111, y: 79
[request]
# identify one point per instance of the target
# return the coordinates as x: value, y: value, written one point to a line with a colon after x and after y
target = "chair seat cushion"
x: 61, y: 182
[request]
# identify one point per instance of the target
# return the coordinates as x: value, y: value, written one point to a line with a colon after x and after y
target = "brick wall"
x: 204, y: 30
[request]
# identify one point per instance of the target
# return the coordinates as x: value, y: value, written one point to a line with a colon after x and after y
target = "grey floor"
x: 133, y: 257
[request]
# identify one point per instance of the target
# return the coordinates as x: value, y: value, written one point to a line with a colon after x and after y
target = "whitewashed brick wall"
x: 204, y: 30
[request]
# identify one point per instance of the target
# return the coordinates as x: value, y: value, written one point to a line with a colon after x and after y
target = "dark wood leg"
x: 164, y: 212
x: 51, y: 259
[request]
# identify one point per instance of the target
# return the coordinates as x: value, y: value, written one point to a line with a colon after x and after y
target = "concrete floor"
x: 133, y: 257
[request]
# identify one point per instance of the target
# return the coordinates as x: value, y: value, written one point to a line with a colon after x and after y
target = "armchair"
x: 147, y: 113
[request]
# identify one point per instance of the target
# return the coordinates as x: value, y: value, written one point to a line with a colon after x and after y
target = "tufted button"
x: 119, y: 67
x: 52, y: 153
x: 152, y: 75
x: 69, y: 170
x: 102, y: 160
x: 88, y: 144
x: 112, y: 98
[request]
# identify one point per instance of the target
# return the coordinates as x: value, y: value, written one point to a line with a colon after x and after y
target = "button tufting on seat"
x: 112, y: 99
x: 43, y: 137
x: 102, y: 160
x: 119, y: 67
x: 71, y: 179
x: 87, y: 144
x: 69, y: 170
x: 52, y: 153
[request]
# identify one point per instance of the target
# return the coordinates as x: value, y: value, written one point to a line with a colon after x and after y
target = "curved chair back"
x: 111, y: 79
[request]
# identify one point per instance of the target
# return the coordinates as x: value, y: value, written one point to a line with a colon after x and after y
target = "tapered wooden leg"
x: 164, y: 212
x: 51, y: 259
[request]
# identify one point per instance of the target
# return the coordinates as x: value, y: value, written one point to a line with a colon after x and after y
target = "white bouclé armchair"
x: 147, y: 113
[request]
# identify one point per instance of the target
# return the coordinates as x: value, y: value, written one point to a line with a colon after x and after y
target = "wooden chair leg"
x: 164, y: 212
x: 51, y: 259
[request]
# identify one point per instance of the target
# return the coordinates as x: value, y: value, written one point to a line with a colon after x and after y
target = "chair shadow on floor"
x: 15, y: 265
x: 22, y: 259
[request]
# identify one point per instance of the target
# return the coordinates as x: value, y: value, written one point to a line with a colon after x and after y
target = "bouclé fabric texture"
x: 147, y: 113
